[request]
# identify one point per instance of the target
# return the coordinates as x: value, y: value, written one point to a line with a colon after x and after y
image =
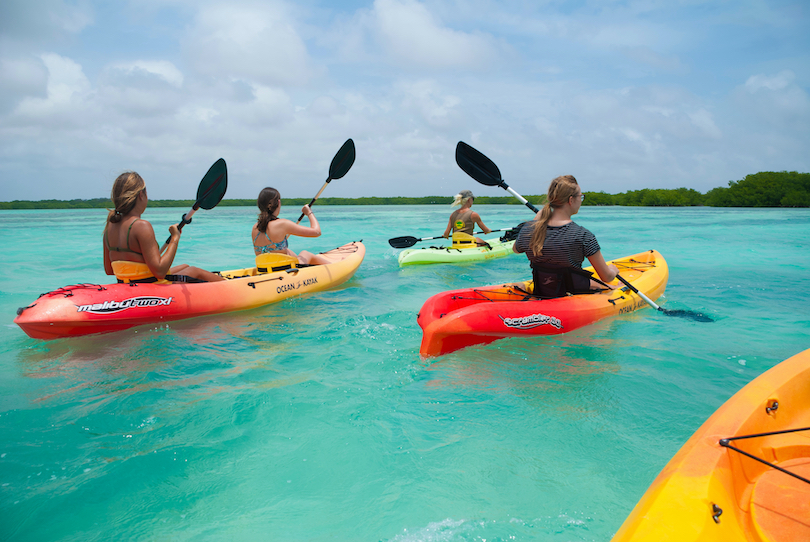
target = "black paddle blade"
x: 403, y: 242
x: 690, y: 315
x: 343, y: 160
x: 213, y: 186
x: 477, y: 166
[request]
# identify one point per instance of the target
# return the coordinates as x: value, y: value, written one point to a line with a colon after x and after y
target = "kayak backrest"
x: 463, y: 240
x: 270, y: 263
x: 128, y: 271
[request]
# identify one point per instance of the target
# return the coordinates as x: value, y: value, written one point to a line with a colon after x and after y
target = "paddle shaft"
x: 523, y: 200
x: 187, y: 217
x: 300, y: 218
x: 408, y: 241
x: 649, y: 301
x: 341, y: 164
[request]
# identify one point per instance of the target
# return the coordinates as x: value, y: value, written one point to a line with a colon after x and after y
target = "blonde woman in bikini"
x: 465, y: 219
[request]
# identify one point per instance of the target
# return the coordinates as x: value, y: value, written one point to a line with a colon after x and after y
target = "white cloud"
x: 776, y: 82
x: 67, y: 87
x: 430, y: 102
x: 254, y: 41
x: 20, y: 77
x: 161, y: 68
x: 704, y: 121
x: 410, y: 32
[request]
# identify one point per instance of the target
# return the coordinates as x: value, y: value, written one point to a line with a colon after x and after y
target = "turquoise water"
x: 315, y: 419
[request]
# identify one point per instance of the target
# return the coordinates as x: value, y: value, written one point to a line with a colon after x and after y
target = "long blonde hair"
x: 560, y: 189
x: 124, y: 195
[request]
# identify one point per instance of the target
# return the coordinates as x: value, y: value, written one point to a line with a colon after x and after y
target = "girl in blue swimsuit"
x: 129, y: 238
x: 270, y: 232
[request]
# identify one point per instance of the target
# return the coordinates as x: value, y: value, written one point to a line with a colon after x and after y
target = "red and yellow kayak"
x: 726, y: 483
x: 83, y: 309
x: 459, y: 318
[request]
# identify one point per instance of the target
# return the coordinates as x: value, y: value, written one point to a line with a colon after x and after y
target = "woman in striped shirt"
x: 556, y: 245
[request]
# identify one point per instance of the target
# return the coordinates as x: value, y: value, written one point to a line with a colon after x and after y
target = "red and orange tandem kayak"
x: 83, y: 309
x: 745, y: 473
x: 459, y: 318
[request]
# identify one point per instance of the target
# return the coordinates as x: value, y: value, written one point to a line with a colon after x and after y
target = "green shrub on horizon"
x: 764, y: 189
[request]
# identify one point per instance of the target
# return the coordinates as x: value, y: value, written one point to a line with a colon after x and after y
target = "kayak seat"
x: 133, y: 272
x: 463, y: 240
x: 549, y: 282
x: 272, y: 262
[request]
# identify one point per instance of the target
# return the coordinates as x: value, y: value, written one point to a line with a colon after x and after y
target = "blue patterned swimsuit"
x: 270, y: 247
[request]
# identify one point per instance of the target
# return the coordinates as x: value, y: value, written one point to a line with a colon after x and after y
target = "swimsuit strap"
x: 119, y: 249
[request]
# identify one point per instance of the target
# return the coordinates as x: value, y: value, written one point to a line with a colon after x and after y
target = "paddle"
x: 209, y: 193
x: 408, y: 241
x: 696, y: 316
x: 341, y: 164
x: 484, y: 170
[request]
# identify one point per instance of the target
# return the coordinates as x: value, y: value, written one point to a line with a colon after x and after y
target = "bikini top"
x: 270, y: 246
x: 119, y: 249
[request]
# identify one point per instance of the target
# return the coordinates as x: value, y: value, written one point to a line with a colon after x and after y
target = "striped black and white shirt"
x: 565, y: 246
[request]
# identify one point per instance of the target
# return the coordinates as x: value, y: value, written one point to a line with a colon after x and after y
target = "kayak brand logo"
x: 295, y: 286
x: 532, y: 321
x: 109, y: 307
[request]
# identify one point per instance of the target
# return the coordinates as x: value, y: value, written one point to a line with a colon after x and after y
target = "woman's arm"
x: 449, y: 226
x: 107, y: 263
x: 477, y: 219
x: 606, y: 272
x: 159, y: 264
x: 291, y: 228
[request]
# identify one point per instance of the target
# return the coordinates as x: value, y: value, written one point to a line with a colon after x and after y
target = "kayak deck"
x: 459, y: 318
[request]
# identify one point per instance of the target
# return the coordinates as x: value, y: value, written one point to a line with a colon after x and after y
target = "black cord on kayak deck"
x: 725, y: 443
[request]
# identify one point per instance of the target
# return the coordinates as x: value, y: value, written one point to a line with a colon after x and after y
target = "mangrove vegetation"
x: 764, y: 189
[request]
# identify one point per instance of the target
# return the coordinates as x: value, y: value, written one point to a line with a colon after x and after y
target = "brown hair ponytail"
x: 559, y: 191
x: 124, y: 196
x: 268, y: 202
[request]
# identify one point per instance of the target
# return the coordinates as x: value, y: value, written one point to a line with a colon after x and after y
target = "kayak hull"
x: 84, y: 309
x: 459, y: 318
x: 751, y: 501
x: 429, y: 255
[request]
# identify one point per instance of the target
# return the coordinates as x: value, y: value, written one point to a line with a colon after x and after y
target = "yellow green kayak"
x: 450, y: 254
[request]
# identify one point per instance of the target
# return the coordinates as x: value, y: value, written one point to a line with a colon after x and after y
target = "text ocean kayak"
x: 428, y: 255
x: 712, y: 492
x: 459, y: 318
x: 92, y: 308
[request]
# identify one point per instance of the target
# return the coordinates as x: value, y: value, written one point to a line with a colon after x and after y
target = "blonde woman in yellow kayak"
x: 131, y: 251
x: 464, y: 219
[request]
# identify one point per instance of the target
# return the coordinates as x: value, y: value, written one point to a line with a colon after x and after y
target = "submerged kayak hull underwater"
x: 83, y: 309
x: 459, y: 318
x: 428, y: 255
x: 710, y: 492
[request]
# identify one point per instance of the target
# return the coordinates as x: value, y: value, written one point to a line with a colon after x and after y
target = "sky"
x: 623, y: 95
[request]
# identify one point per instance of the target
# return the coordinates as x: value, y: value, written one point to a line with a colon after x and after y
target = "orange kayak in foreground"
x: 728, y: 482
x: 82, y: 309
x: 459, y: 318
